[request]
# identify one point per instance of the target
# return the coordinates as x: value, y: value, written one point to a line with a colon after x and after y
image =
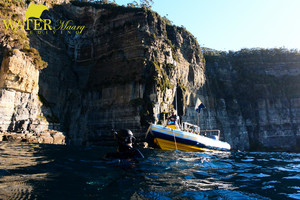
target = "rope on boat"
x: 176, y: 109
x: 148, y: 131
x: 175, y: 140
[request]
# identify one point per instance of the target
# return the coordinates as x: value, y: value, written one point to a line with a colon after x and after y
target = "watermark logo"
x: 35, y: 11
x: 34, y: 22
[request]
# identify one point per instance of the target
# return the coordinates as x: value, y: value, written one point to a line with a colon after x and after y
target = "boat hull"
x: 172, y: 139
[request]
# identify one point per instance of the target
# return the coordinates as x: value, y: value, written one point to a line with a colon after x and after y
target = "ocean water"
x: 40, y: 171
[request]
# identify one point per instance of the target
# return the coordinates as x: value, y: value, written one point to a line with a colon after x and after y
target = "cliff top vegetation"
x: 110, y: 3
x: 17, y: 38
x: 253, y: 55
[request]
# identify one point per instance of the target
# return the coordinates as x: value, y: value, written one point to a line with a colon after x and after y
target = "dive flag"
x: 199, y: 105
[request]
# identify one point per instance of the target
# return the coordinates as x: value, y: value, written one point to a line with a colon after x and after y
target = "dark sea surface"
x: 39, y: 171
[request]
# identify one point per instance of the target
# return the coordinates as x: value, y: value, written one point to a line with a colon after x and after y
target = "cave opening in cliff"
x: 180, y: 103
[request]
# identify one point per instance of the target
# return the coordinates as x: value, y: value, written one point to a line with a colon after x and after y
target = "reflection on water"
x: 37, y: 171
x: 19, y: 155
x: 14, y: 158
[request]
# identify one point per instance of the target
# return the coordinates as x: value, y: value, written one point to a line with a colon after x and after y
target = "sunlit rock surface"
x: 123, y: 71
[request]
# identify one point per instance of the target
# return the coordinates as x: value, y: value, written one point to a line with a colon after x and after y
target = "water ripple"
x: 32, y: 171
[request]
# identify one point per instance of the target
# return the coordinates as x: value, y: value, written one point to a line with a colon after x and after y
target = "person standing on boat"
x: 173, y: 120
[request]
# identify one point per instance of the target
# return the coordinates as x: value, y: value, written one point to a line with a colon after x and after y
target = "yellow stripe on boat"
x: 185, y: 141
x: 172, y: 126
x: 170, y: 145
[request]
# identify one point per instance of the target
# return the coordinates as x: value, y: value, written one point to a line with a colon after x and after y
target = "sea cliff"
x: 253, y: 94
x: 123, y: 71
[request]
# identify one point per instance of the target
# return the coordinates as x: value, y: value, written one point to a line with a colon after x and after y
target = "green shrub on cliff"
x: 161, y: 78
x: 99, y: 5
x: 182, y: 86
x: 37, y: 60
x: 166, y: 21
x: 7, y: 4
x: 17, y: 39
x: 134, y: 4
x: 8, y: 11
x: 255, y: 55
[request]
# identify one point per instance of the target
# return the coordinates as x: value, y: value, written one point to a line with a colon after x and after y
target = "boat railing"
x: 188, y: 127
x: 211, y: 133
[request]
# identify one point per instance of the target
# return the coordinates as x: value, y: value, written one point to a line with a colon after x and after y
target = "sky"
x: 235, y: 24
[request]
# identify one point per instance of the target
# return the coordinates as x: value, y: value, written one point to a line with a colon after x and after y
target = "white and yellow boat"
x: 173, y: 138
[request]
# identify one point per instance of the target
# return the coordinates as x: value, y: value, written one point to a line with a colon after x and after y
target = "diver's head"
x: 125, y: 139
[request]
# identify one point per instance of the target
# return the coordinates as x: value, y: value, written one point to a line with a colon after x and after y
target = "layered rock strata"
x: 22, y: 111
x: 127, y: 69
x: 253, y: 94
x: 121, y: 72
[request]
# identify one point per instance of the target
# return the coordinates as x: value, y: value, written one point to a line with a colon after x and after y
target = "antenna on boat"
x: 176, y: 87
x: 176, y: 102
x: 176, y: 93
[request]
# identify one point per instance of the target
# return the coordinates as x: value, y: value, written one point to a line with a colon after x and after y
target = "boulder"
x: 46, y: 140
x: 58, y: 138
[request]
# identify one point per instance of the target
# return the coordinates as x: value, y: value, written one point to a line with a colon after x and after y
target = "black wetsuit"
x: 125, y: 140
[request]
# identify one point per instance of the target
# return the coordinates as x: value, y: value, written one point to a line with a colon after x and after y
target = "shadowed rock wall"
x: 121, y: 72
x: 253, y: 96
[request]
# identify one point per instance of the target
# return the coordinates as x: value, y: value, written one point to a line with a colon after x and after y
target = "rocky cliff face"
x: 19, y: 83
x: 123, y: 71
x: 255, y: 97
x: 21, y: 109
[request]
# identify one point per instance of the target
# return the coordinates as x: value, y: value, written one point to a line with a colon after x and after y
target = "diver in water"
x: 125, y: 150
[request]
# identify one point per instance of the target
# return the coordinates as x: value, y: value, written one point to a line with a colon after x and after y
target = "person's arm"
x: 168, y: 119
